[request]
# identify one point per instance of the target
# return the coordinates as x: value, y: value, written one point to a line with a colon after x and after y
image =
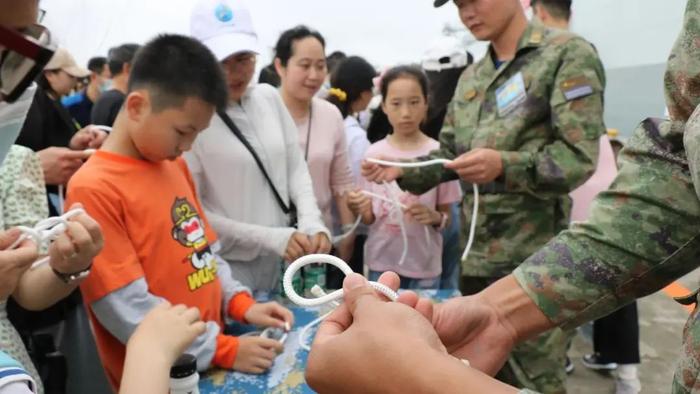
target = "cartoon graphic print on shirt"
x: 188, y: 230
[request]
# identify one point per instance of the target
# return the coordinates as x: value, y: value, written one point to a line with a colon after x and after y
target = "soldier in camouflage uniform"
x: 642, y: 234
x: 645, y: 231
x: 526, y: 129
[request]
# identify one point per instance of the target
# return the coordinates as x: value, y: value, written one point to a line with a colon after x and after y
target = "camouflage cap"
x: 682, y: 79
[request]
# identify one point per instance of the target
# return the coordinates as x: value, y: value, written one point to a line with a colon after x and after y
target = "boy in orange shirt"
x: 158, y: 243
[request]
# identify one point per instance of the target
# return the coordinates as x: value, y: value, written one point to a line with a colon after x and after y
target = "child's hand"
x: 297, y: 246
x: 320, y: 243
x: 168, y: 331
x: 256, y: 354
x: 74, y: 249
x: 269, y: 314
x: 424, y: 215
x: 359, y: 203
x: 378, y: 173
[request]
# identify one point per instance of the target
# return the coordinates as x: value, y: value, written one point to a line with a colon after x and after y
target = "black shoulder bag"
x: 290, y: 210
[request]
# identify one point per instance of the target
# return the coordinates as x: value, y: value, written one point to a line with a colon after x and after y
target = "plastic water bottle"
x: 297, y: 281
x: 184, y: 378
x: 314, y: 274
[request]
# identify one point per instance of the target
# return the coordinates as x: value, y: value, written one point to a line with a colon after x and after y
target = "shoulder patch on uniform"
x: 469, y: 94
x: 577, y: 87
x: 536, y: 37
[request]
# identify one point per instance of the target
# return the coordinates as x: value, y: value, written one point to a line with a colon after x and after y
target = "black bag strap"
x: 229, y: 123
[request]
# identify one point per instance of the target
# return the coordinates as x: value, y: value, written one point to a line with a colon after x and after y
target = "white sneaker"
x: 627, y: 386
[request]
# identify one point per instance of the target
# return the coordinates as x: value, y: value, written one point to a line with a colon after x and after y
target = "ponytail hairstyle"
x: 350, y: 79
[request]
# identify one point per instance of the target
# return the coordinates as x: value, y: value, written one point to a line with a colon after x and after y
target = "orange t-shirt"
x: 154, y: 228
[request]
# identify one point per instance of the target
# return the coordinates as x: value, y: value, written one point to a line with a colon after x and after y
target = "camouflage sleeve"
x: 642, y: 234
x: 576, y: 104
x: 420, y: 180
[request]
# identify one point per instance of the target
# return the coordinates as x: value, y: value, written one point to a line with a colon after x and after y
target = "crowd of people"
x: 184, y: 190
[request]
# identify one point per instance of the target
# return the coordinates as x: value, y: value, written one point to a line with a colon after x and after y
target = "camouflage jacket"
x: 548, y: 139
x: 645, y: 231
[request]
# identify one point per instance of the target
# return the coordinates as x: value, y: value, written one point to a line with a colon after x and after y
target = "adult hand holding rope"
x: 372, y: 336
x: 378, y: 170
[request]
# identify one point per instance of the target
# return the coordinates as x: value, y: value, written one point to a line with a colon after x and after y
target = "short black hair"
x: 117, y: 57
x: 173, y: 68
x: 334, y: 59
x: 285, y: 44
x: 353, y: 76
x: 560, y: 9
x: 97, y: 64
x: 269, y: 76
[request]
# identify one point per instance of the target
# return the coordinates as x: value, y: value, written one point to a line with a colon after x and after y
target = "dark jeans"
x: 616, y: 336
x: 451, y: 254
x: 334, y: 276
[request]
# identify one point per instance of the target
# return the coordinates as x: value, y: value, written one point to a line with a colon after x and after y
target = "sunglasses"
x: 23, y: 57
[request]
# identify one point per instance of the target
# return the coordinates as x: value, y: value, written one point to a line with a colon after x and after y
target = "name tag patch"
x: 511, y: 94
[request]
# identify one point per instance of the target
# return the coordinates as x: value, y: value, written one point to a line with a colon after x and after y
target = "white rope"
x: 45, y: 232
x: 402, y: 223
x: 321, y: 297
x: 103, y: 128
x: 338, y: 238
x: 325, y: 299
x: 409, y: 164
x: 472, y: 225
x: 380, y: 197
x: 317, y: 291
x: 475, y: 188
x: 61, y: 202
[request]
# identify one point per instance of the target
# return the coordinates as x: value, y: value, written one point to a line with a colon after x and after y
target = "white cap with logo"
x: 224, y: 26
x: 445, y: 52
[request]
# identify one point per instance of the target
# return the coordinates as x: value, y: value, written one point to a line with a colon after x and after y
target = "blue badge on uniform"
x: 223, y: 13
x: 511, y: 94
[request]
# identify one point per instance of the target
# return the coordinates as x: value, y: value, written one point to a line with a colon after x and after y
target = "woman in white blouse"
x: 253, y: 229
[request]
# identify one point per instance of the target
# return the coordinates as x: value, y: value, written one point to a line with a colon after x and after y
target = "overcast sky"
x: 633, y: 37
x: 383, y: 31
x: 386, y: 32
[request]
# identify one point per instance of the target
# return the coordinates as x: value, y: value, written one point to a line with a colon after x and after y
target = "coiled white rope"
x: 396, y: 210
x: 322, y: 297
x: 45, y: 232
x: 475, y: 188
